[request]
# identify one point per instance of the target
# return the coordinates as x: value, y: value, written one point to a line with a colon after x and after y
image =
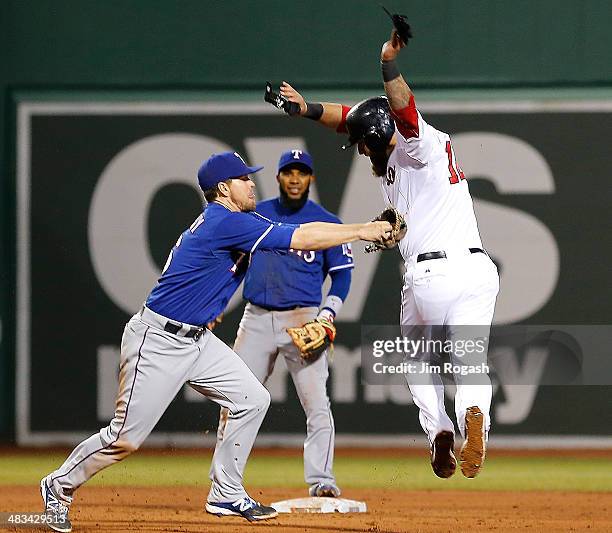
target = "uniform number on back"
x: 456, y: 173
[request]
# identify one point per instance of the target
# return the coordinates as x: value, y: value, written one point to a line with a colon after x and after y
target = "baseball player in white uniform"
x: 450, y: 280
x: 167, y: 344
x: 283, y: 290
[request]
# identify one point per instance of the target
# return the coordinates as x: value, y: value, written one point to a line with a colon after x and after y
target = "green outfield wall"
x: 544, y: 68
x: 105, y: 184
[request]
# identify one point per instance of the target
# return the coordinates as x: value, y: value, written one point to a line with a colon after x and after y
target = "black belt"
x: 291, y: 308
x: 442, y: 254
x: 173, y: 327
x: 192, y: 332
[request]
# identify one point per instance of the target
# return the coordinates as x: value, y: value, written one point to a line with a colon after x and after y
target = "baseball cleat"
x: 245, y: 507
x: 324, y: 490
x: 56, y: 512
x: 443, y: 460
x: 473, y: 450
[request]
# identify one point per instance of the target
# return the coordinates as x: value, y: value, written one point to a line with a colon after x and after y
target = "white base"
x: 320, y: 505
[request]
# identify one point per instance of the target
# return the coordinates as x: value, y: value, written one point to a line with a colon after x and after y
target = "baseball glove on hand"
x: 398, y: 230
x: 313, y: 338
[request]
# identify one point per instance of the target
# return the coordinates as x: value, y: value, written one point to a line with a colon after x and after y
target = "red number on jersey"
x: 455, y: 171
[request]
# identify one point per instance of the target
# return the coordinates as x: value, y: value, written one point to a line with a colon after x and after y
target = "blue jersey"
x: 209, y: 262
x: 279, y: 279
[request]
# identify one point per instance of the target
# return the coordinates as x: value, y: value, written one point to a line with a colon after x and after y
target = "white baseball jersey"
x: 425, y: 183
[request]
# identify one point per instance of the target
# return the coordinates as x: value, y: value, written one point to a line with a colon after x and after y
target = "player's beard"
x: 290, y: 203
x: 250, y: 206
x: 379, y: 163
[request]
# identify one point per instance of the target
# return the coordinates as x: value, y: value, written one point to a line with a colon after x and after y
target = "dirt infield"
x: 181, y: 509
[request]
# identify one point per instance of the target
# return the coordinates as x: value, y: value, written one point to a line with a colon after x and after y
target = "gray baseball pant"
x: 154, y: 366
x: 261, y: 337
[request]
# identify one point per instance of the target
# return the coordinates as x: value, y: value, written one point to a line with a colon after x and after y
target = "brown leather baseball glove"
x: 398, y: 230
x: 313, y: 338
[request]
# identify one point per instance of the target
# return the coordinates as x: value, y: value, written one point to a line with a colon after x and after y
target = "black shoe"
x: 443, y: 460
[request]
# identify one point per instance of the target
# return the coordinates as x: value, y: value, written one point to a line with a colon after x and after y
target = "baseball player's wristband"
x: 327, y: 314
x: 331, y: 305
x: 313, y: 111
x: 390, y: 71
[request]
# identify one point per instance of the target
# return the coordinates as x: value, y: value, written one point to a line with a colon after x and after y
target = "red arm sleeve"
x: 342, y: 126
x: 407, y: 119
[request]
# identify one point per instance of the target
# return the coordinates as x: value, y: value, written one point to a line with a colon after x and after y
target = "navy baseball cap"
x: 290, y: 157
x: 221, y: 167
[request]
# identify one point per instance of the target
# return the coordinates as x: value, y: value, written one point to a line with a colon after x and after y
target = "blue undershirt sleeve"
x: 340, y: 283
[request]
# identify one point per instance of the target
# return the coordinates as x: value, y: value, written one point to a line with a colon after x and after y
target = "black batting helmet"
x: 370, y: 120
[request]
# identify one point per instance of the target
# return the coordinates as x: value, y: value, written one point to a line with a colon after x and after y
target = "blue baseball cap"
x: 291, y: 157
x: 221, y: 167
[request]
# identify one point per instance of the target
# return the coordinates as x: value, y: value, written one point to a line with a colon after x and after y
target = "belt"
x: 172, y: 326
x: 442, y: 254
x: 175, y: 329
x: 291, y: 308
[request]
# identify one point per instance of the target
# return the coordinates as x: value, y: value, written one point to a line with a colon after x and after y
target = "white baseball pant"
x: 458, y: 290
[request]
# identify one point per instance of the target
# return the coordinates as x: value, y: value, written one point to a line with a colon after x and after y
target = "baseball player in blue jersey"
x: 283, y: 290
x: 166, y: 344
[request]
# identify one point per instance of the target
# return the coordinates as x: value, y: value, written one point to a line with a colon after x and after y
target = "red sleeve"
x: 407, y: 119
x: 342, y: 126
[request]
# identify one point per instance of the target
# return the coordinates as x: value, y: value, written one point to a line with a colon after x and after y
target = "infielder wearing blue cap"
x: 221, y: 167
x: 283, y: 289
x: 167, y: 344
x: 295, y: 156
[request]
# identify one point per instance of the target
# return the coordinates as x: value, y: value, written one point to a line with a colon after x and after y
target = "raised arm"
x: 396, y: 88
x: 327, y: 114
x: 321, y: 235
x: 401, y: 99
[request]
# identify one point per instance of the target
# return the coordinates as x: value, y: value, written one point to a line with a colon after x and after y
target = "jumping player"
x: 283, y: 289
x: 166, y: 344
x: 450, y: 280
